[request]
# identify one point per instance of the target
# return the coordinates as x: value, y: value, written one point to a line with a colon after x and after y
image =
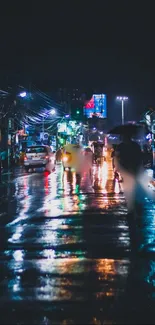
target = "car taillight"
x: 25, y: 158
x: 46, y: 157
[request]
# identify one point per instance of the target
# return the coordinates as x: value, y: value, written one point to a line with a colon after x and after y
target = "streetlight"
x: 52, y: 112
x: 23, y: 94
x: 122, y: 99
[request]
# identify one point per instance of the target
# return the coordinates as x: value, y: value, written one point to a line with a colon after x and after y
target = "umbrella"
x: 127, y: 129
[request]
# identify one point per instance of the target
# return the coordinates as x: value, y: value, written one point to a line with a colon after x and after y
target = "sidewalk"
x: 5, y: 180
x: 3, y: 190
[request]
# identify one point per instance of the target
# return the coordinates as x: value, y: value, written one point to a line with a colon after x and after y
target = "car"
x: 39, y: 156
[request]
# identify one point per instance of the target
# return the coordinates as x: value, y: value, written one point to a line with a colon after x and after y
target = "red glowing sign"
x: 90, y: 103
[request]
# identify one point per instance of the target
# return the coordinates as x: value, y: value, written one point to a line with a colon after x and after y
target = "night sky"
x: 106, y: 46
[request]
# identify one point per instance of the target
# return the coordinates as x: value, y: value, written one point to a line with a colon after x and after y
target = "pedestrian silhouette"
x: 129, y: 162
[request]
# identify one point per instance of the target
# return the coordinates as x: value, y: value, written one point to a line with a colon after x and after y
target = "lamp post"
x: 23, y: 94
x: 52, y: 112
x: 43, y: 126
x: 122, y: 99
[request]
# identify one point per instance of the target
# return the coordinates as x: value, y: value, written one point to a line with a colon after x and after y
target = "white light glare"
x: 23, y: 94
x: 122, y: 98
x: 52, y: 112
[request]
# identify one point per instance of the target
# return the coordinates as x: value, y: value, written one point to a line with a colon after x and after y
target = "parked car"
x: 39, y: 156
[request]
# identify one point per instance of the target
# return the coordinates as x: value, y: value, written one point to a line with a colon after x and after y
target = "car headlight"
x: 65, y: 159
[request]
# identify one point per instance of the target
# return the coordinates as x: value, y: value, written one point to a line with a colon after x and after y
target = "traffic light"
x: 77, y: 112
x: 62, y: 140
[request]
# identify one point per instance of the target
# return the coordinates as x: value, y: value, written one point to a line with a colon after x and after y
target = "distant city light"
x: 23, y: 94
x: 148, y: 137
x: 148, y: 119
x: 122, y: 98
x: 52, y: 112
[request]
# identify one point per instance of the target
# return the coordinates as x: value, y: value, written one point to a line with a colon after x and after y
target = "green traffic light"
x: 77, y: 112
x: 61, y: 141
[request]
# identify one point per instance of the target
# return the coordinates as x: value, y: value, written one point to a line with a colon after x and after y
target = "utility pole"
x: 43, y: 127
x: 153, y: 146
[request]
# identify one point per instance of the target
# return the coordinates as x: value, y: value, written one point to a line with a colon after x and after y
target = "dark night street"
x: 77, y: 163
x: 65, y: 252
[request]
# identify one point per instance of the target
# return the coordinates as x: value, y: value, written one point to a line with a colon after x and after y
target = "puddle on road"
x: 67, y: 242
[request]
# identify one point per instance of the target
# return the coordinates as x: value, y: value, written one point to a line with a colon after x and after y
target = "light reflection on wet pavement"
x: 65, y: 253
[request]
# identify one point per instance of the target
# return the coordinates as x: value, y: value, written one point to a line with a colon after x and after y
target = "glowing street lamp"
x: 52, y: 112
x: 23, y: 94
x: 122, y: 99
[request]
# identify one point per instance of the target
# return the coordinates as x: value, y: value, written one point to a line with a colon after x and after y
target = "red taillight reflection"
x: 46, y: 183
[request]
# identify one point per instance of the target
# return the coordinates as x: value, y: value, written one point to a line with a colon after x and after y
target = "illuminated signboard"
x: 62, y: 127
x: 69, y: 130
x: 72, y: 124
x: 148, y: 119
x: 96, y: 106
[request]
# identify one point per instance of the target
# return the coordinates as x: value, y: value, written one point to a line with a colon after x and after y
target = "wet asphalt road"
x: 65, y: 252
